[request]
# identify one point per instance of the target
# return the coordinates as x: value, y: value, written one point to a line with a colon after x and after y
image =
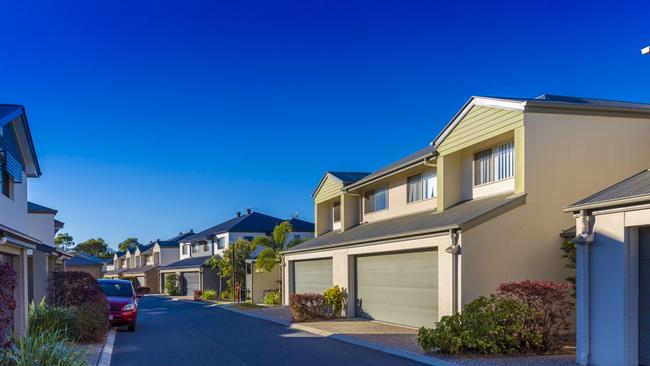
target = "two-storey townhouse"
x: 18, y: 161
x: 478, y: 207
x: 149, y: 257
x: 196, y: 249
x: 118, y: 265
x: 42, y: 225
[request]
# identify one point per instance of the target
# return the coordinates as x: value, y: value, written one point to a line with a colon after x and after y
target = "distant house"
x: 83, y: 262
x: 45, y: 258
x: 117, y: 266
x: 196, y: 249
x: 18, y: 161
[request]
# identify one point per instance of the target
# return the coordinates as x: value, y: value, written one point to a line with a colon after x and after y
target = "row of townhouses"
x: 185, y: 256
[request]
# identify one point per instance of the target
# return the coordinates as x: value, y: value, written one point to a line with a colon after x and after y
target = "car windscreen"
x: 117, y: 289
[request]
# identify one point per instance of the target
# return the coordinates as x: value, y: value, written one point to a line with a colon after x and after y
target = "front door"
x: 644, y: 296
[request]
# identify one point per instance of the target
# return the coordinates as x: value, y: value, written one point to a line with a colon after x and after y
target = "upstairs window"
x: 494, y: 164
x: 375, y: 200
x: 6, y: 180
x: 422, y: 186
x: 184, y: 249
x: 195, y: 248
x: 206, y: 246
x: 221, y: 243
x: 336, y: 211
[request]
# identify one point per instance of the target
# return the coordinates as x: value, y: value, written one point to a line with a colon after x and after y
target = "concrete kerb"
x: 428, y: 360
x: 107, y: 350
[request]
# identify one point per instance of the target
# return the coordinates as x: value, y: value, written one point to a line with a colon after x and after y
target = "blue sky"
x: 152, y: 117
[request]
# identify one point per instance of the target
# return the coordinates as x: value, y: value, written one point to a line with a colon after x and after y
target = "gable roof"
x: 83, y: 259
x: 460, y: 216
x: 635, y: 189
x: 346, y: 178
x: 301, y: 226
x: 253, y: 222
x: 35, y: 208
x: 192, y: 262
x: 14, y: 113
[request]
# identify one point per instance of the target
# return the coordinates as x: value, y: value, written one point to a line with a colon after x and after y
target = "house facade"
x: 421, y: 237
x: 196, y: 249
x: 45, y: 258
x: 613, y: 274
x: 18, y: 162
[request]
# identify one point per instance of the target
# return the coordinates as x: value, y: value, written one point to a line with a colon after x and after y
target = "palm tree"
x: 271, y: 255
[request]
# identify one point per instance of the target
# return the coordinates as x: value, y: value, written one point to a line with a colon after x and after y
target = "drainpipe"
x: 583, y: 241
x: 455, y: 250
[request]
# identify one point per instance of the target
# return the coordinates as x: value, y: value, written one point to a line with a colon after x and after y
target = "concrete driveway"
x: 183, y: 333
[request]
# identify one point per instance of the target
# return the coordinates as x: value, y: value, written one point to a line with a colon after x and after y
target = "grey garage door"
x: 191, y: 282
x: 312, y: 276
x: 400, y: 288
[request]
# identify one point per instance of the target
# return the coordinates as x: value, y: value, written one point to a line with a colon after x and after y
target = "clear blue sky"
x: 152, y: 117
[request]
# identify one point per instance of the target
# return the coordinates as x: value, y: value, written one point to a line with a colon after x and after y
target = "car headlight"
x: 127, y: 307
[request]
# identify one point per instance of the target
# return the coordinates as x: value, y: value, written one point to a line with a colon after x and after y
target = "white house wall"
x: 13, y: 212
x: 41, y: 227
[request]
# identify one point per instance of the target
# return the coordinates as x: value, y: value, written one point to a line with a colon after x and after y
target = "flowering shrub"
x: 73, y: 288
x: 197, y: 295
x: 8, y: 282
x: 550, y: 303
x: 305, y: 307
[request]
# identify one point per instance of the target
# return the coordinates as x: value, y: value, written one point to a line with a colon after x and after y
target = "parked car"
x: 123, y: 302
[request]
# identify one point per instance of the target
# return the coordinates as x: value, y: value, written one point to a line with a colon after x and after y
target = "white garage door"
x: 400, y: 288
x: 312, y: 276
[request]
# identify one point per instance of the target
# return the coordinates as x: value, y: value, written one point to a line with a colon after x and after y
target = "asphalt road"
x: 186, y: 333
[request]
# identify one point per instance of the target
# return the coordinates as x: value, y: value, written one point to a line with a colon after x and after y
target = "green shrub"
x: 273, y: 298
x: 226, y: 295
x: 90, y: 322
x: 209, y: 295
x: 171, y: 284
x: 489, y: 325
x: 335, y: 297
x: 45, y: 318
x: 45, y: 348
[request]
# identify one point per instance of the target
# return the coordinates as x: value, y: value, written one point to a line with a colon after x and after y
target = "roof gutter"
x: 609, y: 203
x: 396, y: 170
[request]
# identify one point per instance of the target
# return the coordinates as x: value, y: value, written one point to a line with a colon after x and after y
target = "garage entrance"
x: 190, y: 282
x: 312, y: 276
x: 400, y: 288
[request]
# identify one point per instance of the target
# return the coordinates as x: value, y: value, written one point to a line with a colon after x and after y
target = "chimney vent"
x: 248, y: 211
x: 238, y: 214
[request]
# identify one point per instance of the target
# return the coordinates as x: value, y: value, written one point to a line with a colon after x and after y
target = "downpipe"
x: 455, y: 250
x: 583, y: 241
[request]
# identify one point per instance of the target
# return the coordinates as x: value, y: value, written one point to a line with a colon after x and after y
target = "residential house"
x: 196, y: 249
x: 479, y: 206
x: 117, y: 266
x: 82, y: 262
x: 613, y: 273
x: 45, y: 258
x: 148, y: 258
x: 18, y: 161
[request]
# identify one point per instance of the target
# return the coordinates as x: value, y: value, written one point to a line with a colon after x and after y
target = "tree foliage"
x: 96, y: 247
x: 129, y: 243
x: 225, y: 265
x: 570, y: 252
x: 271, y: 256
x: 64, y: 241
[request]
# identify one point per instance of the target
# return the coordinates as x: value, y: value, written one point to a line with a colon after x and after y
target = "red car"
x: 123, y: 301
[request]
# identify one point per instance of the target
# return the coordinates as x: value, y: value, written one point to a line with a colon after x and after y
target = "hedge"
x: 8, y: 282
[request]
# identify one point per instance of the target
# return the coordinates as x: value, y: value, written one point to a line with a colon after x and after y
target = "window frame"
x: 373, y: 192
x: 421, y: 183
x: 493, y: 166
x: 336, y: 206
x: 221, y: 243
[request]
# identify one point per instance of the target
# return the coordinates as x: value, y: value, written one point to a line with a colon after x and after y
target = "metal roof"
x: 36, y: 208
x: 142, y: 269
x: 634, y: 189
x: 348, y: 177
x: 301, y: 226
x: 16, y: 112
x: 192, y: 262
x: 82, y: 259
x: 404, y: 162
x: 426, y: 222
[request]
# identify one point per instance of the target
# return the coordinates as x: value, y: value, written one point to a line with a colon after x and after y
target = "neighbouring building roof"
x: 145, y: 247
x: 405, y: 162
x: 58, y: 224
x: 180, y: 236
x: 301, y: 226
x: 634, y: 189
x: 15, y: 112
x: 253, y: 222
x: 120, y: 253
x: 84, y: 260
x: 142, y: 269
x: 35, y: 208
x: 45, y: 248
x: 173, y: 242
x: 115, y: 271
x: 459, y: 216
x: 192, y: 262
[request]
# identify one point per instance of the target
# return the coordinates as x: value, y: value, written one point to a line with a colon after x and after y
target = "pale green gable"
x: 331, y: 188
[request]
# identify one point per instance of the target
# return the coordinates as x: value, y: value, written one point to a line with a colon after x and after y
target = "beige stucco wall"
x: 263, y: 281
x: 343, y: 266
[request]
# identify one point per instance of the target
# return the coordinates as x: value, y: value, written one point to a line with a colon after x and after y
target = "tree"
x: 271, y: 255
x: 129, y: 243
x: 225, y: 266
x: 96, y: 247
x: 64, y: 241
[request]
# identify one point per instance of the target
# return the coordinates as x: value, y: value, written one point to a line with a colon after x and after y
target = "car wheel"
x: 132, y: 327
